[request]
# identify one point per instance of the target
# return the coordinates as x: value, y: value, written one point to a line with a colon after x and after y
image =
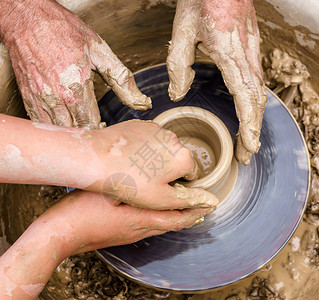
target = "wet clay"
x: 195, y: 198
x: 202, y: 154
x: 139, y: 39
x: 211, y: 146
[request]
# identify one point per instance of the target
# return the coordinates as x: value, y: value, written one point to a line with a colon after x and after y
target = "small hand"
x: 53, y: 54
x: 103, y: 224
x: 80, y: 222
x: 132, y: 161
x: 226, y: 31
x: 140, y: 160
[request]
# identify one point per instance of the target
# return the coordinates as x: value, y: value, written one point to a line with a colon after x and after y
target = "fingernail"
x: 134, y: 99
x: 143, y: 103
x: 102, y: 125
x: 242, y: 155
x: 206, y: 200
x: 198, y: 221
x: 254, y: 144
x: 174, y: 94
x: 211, y: 210
x: 250, y: 139
x: 180, y: 84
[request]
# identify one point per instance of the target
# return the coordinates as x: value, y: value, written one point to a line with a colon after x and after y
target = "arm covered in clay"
x: 27, y: 266
x: 132, y: 162
x: 226, y: 31
x: 54, y: 54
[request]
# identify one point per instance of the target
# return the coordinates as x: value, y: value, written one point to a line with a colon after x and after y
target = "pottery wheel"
x: 251, y: 225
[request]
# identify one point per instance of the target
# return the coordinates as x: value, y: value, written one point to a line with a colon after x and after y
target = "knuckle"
x: 123, y: 75
x: 172, y: 135
x: 186, y: 156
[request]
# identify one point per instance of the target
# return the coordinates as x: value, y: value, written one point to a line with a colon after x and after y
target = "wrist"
x: 69, y: 220
x: 48, y: 154
x: 103, y: 143
x: 57, y: 233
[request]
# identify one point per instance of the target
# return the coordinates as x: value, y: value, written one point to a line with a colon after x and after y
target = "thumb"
x: 181, y: 52
x: 194, y: 197
x: 120, y: 78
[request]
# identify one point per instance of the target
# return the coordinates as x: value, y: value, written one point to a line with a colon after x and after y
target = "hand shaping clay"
x: 210, y: 144
x: 202, y: 154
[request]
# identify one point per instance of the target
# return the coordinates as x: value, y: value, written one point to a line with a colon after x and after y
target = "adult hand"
x: 53, y: 54
x: 80, y: 222
x: 226, y: 31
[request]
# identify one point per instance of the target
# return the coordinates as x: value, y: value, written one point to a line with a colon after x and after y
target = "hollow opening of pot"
x: 201, y: 139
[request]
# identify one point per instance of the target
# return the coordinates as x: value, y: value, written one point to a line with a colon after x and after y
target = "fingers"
x: 179, y: 197
x: 118, y: 76
x: 241, y: 70
x: 74, y: 105
x: 159, y: 195
x: 193, y: 174
x: 181, y: 52
x: 241, y: 153
x: 250, y: 102
x: 163, y: 221
x: 192, y: 197
x: 250, y: 106
x: 84, y: 109
x: 35, y: 109
x: 181, y: 163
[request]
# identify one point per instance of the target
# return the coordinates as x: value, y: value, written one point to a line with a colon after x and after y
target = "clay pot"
x: 210, y: 143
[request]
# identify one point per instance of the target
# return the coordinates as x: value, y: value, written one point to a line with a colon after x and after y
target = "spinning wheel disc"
x: 251, y: 225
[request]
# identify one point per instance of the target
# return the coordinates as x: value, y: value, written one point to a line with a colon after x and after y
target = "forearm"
x: 27, y: 266
x: 80, y: 222
x: 36, y: 153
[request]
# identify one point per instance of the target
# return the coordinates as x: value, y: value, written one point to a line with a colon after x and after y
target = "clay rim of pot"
x: 217, y: 126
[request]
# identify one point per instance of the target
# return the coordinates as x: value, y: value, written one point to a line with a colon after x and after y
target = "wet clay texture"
x: 202, y: 154
x: 139, y: 39
x: 210, y: 144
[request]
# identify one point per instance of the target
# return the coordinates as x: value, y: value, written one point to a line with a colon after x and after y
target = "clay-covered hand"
x: 53, y: 55
x: 80, y: 222
x: 132, y: 161
x: 226, y: 31
x: 103, y: 224
x: 140, y: 160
